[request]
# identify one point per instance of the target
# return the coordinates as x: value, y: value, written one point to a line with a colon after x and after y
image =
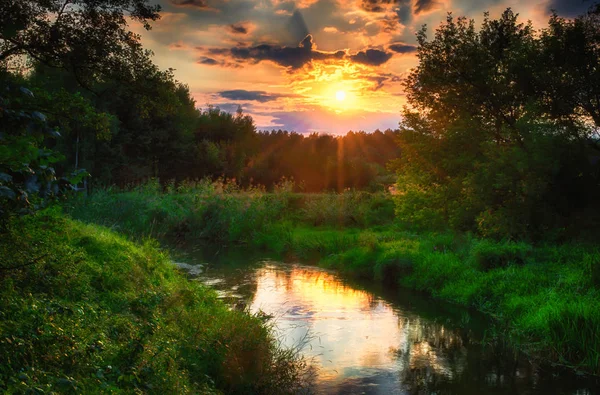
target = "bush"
x: 595, y: 271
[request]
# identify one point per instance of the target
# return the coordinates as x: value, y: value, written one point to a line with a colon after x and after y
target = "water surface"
x: 363, y: 340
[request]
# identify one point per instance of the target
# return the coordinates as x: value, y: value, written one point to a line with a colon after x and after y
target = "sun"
x: 340, y: 95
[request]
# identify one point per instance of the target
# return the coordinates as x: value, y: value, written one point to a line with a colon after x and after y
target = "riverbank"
x: 545, y: 298
x: 85, y: 310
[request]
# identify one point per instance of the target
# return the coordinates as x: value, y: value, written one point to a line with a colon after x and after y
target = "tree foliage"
x: 27, y: 175
x: 90, y: 38
x: 497, y: 129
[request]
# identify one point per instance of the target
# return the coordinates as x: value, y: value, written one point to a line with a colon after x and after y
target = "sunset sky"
x: 310, y: 65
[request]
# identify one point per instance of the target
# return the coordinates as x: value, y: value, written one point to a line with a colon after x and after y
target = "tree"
x: 571, y: 50
x: 483, y: 146
x: 28, y: 179
x: 89, y: 38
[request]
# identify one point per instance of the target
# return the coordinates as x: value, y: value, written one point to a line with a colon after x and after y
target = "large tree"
x: 90, y: 38
x: 484, y: 141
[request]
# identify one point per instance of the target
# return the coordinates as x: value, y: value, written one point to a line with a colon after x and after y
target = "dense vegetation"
x: 545, y: 297
x: 502, y: 133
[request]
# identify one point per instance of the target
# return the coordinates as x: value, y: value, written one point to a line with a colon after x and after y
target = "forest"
x: 107, y: 162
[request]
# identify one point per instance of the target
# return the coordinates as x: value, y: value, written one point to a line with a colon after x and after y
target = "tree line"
x: 75, y: 73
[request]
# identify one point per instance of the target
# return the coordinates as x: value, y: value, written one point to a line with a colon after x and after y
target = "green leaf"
x: 5, y: 177
x: 6, y: 192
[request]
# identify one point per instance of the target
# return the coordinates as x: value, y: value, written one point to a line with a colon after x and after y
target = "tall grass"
x: 222, y: 211
x: 545, y: 297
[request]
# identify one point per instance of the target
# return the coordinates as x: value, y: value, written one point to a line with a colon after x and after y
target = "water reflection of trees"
x: 442, y: 361
x: 438, y: 351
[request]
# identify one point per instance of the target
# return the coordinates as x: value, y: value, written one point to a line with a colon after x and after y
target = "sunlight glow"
x: 340, y: 95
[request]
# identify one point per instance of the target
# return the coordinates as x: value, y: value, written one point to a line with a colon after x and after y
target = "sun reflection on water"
x: 348, y: 332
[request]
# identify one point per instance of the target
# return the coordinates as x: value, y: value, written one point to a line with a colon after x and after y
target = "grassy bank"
x: 84, y: 310
x: 545, y: 298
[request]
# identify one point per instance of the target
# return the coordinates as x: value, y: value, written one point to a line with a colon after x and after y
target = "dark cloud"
x: 259, y: 96
x: 190, y: 3
x: 372, y: 57
x: 378, y: 5
x: 570, y: 8
x: 297, y: 26
x: 381, y: 79
x: 293, y: 57
x: 404, y: 14
x: 208, y: 61
x: 425, y: 5
x: 238, y: 28
x: 402, y: 48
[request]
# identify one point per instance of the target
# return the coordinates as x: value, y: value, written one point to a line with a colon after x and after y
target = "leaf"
x: 77, y: 176
x: 6, y: 192
x: 26, y: 91
x: 5, y: 177
x: 39, y: 116
x: 32, y: 185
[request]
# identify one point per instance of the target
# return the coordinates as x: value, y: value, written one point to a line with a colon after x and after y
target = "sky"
x: 327, y: 66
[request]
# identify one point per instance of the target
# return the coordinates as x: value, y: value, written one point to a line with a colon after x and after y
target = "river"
x: 365, y: 339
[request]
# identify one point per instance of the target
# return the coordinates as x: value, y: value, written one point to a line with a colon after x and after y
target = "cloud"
x: 402, y: 48
x: 297, y: 26
x: 569, y: 8
x: 208, y: 61
x: 379, y: 5
x: 233, y: 107
x: 190, y: 3
x: 372, y: 57
x: 238, y: 28
x: 259, y: 96
x: 292, y: 57
x: 296, y: 57
x: 404, y: 14
x: 321, y: 120
x: 422, y: 6
x: 381, y: 79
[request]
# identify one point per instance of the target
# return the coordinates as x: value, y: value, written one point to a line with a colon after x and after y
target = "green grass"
x: 546, y: 298
x: 221, y: 212
x: 85, y: 310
